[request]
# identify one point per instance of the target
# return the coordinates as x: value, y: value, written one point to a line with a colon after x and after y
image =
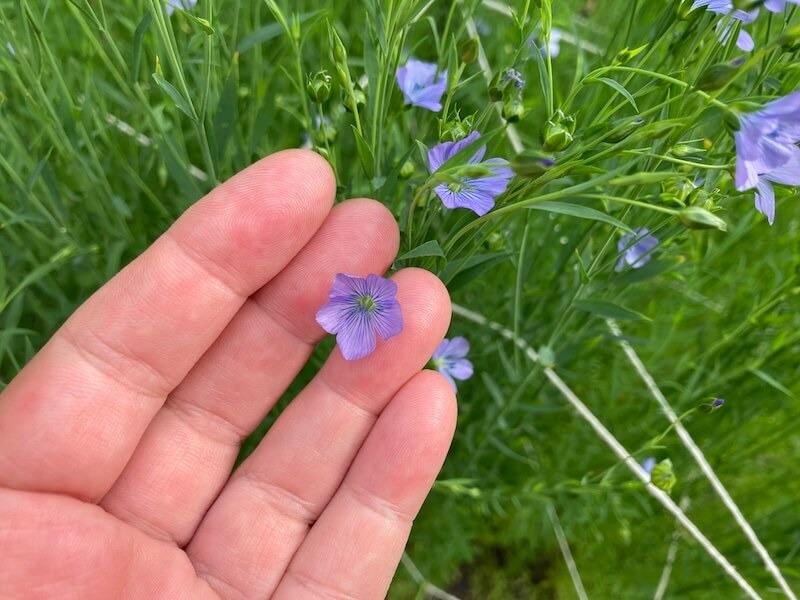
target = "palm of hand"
x: 118, y: 439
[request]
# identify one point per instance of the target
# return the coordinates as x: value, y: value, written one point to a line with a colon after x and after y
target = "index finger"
x: 71, y: 419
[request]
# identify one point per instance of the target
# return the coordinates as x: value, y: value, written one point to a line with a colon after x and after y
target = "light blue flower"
x: 724, y: 27
x: 420, y: 84
x: 778, y: 5
x: 636, y: 248
x: 767, y: 152
x: 182, y: 4
x: 449, y: 359
x: 360, y: 309
x: 648, y: 464
x: 474, y: 193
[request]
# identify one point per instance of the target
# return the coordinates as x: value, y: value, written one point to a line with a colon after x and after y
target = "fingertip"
x: 378, y: 220
x: 426, y: 305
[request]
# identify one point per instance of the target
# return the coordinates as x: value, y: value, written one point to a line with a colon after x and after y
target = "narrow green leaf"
x: 772, y: 382
x: 227, y: 108
x: 179, y: 100
x: 618, y: 87
x: 138, y: 38
x: 364, y: 153
x: 270, y: 31
x: 260, y: 35
x: 429, y: 248
x: 609, y: 310
x: 580, y: 211
x: 457, y: 274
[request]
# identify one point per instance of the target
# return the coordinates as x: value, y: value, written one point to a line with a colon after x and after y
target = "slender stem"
x: 565, y: 552
x: 672, y: 552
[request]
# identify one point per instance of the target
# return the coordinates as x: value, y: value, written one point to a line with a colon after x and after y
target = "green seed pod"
x: 469, y: 51
x: 623, y: 128
x: 407, y: 170
x: 318, y: 87
x: 717, y: 76
x: 663, y: 477
x: 694, y: 217
x: 513, y: 108
x: 556, y: 137
x: 496, y: 242
x: 531, y: 163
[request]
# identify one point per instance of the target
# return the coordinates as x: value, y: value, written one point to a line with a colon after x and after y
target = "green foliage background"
x: 98, y: 157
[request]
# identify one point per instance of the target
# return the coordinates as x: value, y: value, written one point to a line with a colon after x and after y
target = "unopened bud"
x: 623, y: 128
x: 513, y: 108
x: 663, y: 477
x: 531, y: 163
x: 717, y: 76
x: 469, y: 51
x: 407, y: 170
x: 337, y: 47
x: 556, y: 137
x: 713, y: 406
x: 694, y: 217
x: 318, y: 87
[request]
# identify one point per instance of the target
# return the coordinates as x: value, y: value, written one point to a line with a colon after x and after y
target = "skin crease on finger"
x: 107, y: 371
x: 187, y: 453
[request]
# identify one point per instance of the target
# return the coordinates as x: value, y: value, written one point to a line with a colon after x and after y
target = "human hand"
x: 117, y: 440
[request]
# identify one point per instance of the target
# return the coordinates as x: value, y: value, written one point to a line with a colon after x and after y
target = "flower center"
x: 458, y: 186
x: 366, y: 304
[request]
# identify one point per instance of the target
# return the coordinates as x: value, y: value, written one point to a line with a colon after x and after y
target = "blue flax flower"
x: 636, y: 248
x: 358, y: 310
x: 778, y: 5
x: 649, y: 464
x: 182, y: 4
x: 449, y: 359
x: 474, y: 193
x: 767, y: 152
x: 725, y: 7
x: 420, y: 85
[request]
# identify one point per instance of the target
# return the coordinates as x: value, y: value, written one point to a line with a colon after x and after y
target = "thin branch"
x: 426, y: 586
x: 565, y: 551
x: 672, y: 552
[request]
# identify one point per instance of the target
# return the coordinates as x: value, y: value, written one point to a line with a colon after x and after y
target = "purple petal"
x: 333, y: 314
x: 441, y: 153
x: 765, y: 200
x: 745, y: 41
x: 789, y: 173
x: 775, y: 5
x: 458, y: 347
x: 347, y: 285
x: 478, y: 202
x: 419, y: 84
x: 356, y: 338
x: 461, y: 369
x: 389, y: 320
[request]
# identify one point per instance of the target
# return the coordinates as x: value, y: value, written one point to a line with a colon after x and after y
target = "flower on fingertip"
x: 360, y: 309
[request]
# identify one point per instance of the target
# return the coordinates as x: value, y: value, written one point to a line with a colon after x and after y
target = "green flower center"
x: 456, y: 187
x: 366, y: 304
